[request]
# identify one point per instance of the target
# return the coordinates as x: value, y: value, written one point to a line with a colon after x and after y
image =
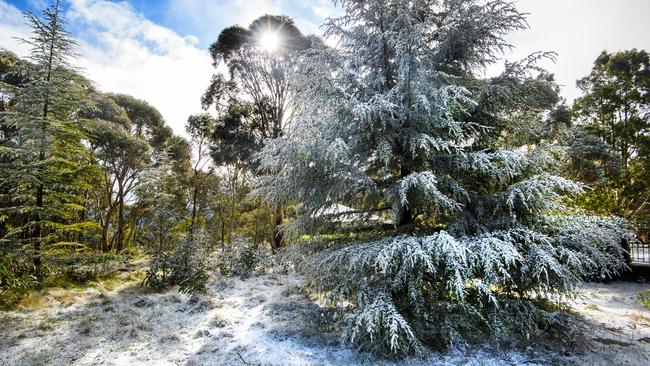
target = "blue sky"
x: 157, y: 50
x: 205, y: 19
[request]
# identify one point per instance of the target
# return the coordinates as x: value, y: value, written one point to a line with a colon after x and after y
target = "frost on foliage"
x: 398, y: 282
x: 396, y: 122
x: 425, y: 184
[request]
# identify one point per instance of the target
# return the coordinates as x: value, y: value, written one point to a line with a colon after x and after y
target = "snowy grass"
x: 268, y: 319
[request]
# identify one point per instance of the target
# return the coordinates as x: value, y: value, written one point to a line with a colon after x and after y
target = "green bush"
x: 16, y: 279
x: 241, y: 258
x: 644, y: 297
x: 184, y: 266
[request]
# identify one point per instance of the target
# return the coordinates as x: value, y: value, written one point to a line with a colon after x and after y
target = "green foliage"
x: 184, y: 266
x: 610, y: 149
x: 72, y: 163
x: 46, y: 165
x: 16, y: 279
x: 241, y: 258
x: 644, y: 298
x: 63, y: 267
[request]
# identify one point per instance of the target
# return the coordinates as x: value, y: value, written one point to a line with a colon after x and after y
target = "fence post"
x: 627, y: 250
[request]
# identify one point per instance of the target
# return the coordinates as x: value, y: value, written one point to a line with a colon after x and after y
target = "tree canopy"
x: 612, y: 141
x: 397, y: 119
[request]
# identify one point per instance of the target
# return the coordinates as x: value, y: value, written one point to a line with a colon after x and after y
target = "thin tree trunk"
x: 195, y: 192
x: 223, y: 232
x: 37, y: 242
x: 119, y: 245
x: 278, y: 236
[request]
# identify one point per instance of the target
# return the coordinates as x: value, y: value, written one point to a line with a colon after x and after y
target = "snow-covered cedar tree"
x: 396, y: 120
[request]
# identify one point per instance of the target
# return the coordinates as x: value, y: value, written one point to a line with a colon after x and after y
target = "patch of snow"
x: 267, y: 320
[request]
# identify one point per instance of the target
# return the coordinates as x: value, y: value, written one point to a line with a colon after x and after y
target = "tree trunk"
x: 105, y: 224
x: 40, y: 189
x: 195, y: 193
x: 37, y: 241
x: 278, y: 219
x: 104, y: 243
x: 223, y: 232
x: 119, y: 245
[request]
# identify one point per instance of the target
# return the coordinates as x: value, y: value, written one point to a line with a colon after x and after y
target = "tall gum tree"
x: 615, y: 110
x: 259, y: 61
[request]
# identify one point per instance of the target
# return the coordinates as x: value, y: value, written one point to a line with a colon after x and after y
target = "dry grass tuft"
x: 641, y: 320
x: 31, y: 301
x: 66, y: 297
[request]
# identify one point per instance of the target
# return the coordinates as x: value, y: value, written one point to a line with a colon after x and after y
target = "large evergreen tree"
x: 44, y: 178
x: 397, y: 119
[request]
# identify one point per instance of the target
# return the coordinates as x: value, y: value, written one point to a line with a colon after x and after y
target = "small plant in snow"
x: 241, y: 258
x: 184, y: 266
x: 644, y: 298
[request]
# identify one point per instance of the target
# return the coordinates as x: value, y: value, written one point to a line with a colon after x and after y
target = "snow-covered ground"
x: 267, y: 320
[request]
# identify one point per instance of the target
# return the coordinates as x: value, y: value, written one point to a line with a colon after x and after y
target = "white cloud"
x: 12, y: 26
x: 123, y: 52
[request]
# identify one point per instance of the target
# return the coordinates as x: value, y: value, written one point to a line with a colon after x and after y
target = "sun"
x: 270, y: 41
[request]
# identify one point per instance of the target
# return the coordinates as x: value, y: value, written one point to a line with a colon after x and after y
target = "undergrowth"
x: 183, y: 266
x: 19, y: 286
x: 644, y: 298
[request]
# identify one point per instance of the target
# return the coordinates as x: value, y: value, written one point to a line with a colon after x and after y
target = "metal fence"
x: 640, y: 252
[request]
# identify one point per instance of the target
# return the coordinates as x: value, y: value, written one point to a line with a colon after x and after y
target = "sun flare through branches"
x: 269, y: 41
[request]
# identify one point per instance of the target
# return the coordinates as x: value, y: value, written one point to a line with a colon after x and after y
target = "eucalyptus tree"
x: 397, y: 121
x: 615, y: 111
x: 125, y: 132
x: 199, y: 128
x: 48, y: 162
x: 120, y: 155
x: 257, y: 86
x: 146, y: 121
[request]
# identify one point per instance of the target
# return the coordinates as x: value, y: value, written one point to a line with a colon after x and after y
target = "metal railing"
x: 640, y: 252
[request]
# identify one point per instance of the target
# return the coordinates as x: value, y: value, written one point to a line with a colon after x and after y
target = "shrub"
x: 16, y: 279
x: 184, y: 267
x: 67, y: 268
x: 241, y: 258
x: 644, y: 297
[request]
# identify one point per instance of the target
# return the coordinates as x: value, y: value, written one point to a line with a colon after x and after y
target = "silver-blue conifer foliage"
x: 392, y: 121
